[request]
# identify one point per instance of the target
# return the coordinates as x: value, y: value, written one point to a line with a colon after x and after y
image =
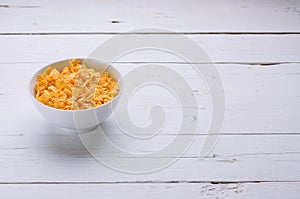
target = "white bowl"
x: 77, y: 120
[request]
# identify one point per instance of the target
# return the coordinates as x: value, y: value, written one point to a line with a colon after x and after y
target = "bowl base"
x: 70, y: 130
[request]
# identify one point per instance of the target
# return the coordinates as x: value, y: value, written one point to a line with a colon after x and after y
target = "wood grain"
x: 261, y: 50
x: 255, y: 46
x: 118, y: 16
x: 265, y: 101
x: 159, y: 190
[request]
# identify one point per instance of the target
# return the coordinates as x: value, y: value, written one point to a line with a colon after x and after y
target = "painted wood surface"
x: 115, y: 16
x: 255, y: 47
x: 159, y: 190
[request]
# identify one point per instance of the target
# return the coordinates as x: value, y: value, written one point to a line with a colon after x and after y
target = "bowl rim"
x: 36, y: 72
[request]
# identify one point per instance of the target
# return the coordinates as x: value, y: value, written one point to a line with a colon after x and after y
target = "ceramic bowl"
x: 77, y: 120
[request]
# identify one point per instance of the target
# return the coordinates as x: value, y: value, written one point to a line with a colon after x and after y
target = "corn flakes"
x: 75, y: 87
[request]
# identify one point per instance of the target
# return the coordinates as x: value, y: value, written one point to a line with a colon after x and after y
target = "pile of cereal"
x: 75, y: 87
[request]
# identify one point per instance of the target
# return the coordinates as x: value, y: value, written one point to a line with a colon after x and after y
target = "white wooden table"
x: 255, y: 46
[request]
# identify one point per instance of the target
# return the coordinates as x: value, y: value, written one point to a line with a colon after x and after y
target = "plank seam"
x: 218, y: 63
x: 157, y: 182
x: 149, y: 33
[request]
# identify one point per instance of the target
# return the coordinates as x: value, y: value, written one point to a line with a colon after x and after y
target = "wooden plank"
x: 220, y: 48
x: 26, y: 157
x: 159, y: 190
x: 116, y: 16
x: 69, y: 143
x: 265, y: 100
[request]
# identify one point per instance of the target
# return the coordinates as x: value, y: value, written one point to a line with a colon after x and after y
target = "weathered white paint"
x: 266, y: 99
x: 159, y: 190
x: 220, y: 48
x: 116, y: 16
x: 258, y: 153
x: 34, y: 150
